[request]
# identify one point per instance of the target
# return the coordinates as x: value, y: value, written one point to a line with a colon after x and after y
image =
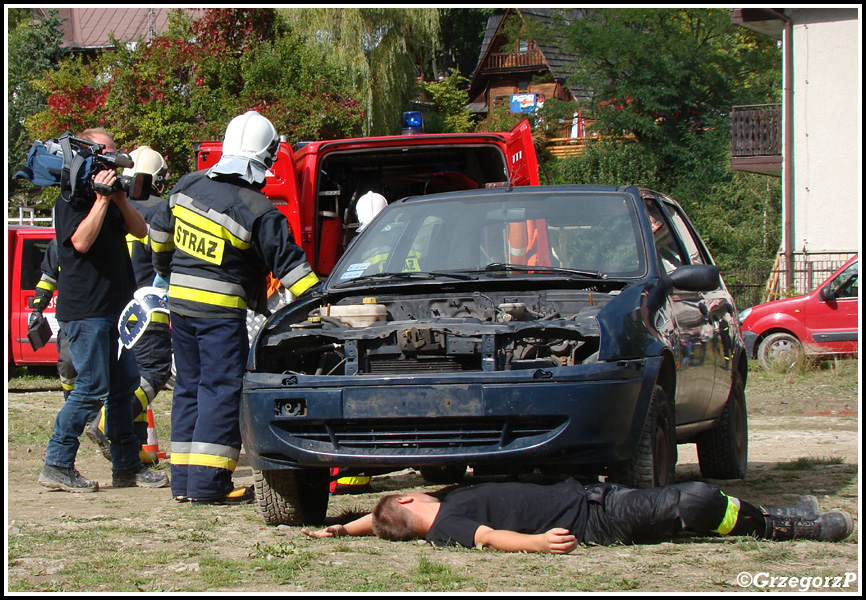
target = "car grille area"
x: 399, y: 436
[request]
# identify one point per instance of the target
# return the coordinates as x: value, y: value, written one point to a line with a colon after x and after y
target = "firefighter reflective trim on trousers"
x: 211, y: 221
x: 732, y: 513
x: 161, y: 241
x: 145, y: 393
x: 206, y: 291
x: 203, y: 454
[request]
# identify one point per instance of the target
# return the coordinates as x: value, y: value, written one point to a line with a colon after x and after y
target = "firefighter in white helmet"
x: 218, y: 238
x: 369, y: 205
x: 143, y: 329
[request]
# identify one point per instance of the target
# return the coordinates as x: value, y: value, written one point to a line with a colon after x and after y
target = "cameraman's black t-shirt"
x: 522, y: 507
x: 100, y: 282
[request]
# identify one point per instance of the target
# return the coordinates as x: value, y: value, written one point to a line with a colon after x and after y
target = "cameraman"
x: 96, y: 285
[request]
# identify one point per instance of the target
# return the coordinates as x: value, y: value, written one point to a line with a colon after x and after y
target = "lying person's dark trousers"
x: 620, y: 514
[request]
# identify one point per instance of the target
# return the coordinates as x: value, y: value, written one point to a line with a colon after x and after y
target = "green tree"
x: 33, y: 49
x: 671, y: 77
x: 461, y: 34
x: 668, y: 75
x: 185, y: 86
x: 382, y: 51
x: 451, y: 115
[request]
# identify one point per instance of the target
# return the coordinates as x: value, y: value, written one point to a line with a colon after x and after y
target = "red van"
x: 823, y: 323
x: 25, y: 252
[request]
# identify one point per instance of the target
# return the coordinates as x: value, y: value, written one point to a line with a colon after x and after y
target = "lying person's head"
x: 404, y: 517
x: 392, y: 520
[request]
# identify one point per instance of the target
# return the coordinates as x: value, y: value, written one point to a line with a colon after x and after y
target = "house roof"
x: 559, y: 60
x: 89, y: 28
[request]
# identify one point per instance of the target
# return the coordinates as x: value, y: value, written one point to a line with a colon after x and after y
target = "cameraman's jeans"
x: 102, y: 378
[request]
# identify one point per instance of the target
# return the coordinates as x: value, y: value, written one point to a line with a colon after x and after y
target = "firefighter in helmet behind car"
x: 216, y: 241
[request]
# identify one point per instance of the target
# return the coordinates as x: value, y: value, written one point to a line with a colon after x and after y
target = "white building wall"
x: 827, y: 130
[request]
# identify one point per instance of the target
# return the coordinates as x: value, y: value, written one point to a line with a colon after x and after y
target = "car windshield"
x: 539, y: 233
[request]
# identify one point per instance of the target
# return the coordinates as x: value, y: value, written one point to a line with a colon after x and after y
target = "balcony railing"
x: 756, y: 130
x: 510, y: 60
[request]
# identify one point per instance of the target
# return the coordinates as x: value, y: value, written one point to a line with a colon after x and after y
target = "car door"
x: 717, y: 309
x: 832, y: 322
x: 521, y: 157
x: 693, y: 342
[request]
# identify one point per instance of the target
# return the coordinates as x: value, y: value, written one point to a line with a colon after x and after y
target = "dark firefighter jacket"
x: 218, y: 239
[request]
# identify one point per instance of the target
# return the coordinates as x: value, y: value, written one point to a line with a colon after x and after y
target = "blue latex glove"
x: 159, y: 281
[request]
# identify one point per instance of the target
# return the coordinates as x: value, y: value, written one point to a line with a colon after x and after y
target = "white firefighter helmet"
x: 147, y: 160
x: 369, y: 205
x: 253, y: 137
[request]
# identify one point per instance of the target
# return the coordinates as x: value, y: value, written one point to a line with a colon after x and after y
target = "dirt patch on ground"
x: 804, y: 438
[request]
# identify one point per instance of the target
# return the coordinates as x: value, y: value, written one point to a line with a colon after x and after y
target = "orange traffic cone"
x: 152, y: 444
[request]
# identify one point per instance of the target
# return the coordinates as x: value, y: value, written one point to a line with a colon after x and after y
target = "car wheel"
x: 443, y: 474
x: 779, y: 350
x: 724, y: 450
x: 653, y: 463
x: 292, y: 497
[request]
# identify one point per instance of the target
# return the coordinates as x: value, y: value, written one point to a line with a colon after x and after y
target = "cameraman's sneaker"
x: 144, y: 477
x: 66, y: 479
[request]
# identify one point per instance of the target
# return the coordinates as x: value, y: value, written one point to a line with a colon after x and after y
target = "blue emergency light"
x: 413, y: 122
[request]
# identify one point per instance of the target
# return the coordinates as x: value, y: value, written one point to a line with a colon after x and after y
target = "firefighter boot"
x: 832, y: 526
x: 96, y: 432
x: 807, y: 507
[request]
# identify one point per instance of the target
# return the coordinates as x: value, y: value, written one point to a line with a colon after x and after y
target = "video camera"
x: 71, y: 163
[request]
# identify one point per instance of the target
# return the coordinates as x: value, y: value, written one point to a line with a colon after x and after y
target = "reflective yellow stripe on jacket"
x: 206, y: 291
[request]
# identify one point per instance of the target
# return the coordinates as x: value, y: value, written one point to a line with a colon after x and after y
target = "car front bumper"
x: 586, y: 415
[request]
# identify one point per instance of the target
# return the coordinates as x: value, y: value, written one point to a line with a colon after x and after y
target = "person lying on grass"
x: 529, y: 517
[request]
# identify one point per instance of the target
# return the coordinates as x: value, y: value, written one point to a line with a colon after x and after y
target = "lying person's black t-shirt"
x: 522, y: 507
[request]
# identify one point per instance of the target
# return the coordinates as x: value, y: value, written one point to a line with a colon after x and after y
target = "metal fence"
x: 755, y: 287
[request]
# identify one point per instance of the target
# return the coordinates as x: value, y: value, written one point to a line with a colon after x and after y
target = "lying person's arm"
x: 360, y: 526
x: 554, y: 541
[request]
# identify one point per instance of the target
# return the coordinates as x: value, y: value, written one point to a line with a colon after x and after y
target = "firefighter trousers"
x: 621, y: 514
x: 210, y: 358
x: 153, y: 356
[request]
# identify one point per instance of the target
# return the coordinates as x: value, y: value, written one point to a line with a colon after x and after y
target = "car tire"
x: 292, y: 497
x: 653, y: 463
x: 723, y: 451
x: 443, y: 474
x: 779, y: 350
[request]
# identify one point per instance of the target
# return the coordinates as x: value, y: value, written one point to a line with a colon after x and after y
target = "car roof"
x: 521, y: 190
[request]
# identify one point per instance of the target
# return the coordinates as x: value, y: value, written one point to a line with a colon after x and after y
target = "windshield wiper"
x: 403, y: 275
x: 498, y: 266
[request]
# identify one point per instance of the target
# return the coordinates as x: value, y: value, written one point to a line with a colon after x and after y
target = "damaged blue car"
x: 579, y: 330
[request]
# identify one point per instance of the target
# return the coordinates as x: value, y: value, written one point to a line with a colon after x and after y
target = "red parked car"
x: 823, y: 323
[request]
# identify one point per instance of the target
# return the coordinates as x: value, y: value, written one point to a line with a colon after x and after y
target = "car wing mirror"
x: 696, y: 278
x: 826, y: 294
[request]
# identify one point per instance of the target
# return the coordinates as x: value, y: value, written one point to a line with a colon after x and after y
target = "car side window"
x: 692, y: 247
x: 846, y: 284
x: 666, y: 245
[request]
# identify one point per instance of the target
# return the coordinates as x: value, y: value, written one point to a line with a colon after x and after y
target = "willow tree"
x: 382, y: 50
